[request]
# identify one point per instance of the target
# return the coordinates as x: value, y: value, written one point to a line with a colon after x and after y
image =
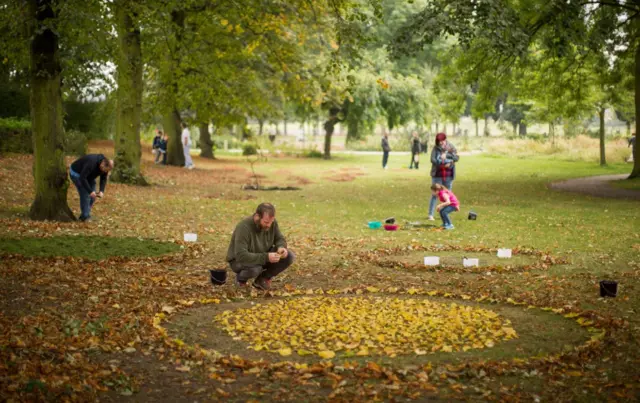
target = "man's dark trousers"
x: 86, y: 201
x: 269, y: 270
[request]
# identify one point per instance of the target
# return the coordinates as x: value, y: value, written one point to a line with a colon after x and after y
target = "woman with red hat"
x: 443, y: 167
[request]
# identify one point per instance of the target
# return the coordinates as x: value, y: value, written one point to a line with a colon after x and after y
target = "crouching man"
x: 258, y: 250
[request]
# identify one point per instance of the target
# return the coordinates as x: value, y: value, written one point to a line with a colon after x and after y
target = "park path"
x: 598, y: 186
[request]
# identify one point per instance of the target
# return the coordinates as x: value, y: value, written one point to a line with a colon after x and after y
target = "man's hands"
x: 273, y: 257
x: 283, y: 252
x: 101, y: 195
x: 93, y: 195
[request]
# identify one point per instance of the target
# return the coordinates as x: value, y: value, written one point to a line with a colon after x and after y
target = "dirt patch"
x: 299, y: 180
x: 230, y: 196
x: 539, y: 333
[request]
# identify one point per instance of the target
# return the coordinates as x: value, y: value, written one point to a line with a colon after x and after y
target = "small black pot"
x: 218, y: 277
x: 390, y: 220
x: 472, y: 215
x: 608, y: 288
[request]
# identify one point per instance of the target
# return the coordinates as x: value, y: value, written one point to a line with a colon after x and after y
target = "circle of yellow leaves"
x: 362, y: 326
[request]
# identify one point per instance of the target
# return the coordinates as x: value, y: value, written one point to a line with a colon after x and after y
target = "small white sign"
x: 504, y: 253
x: 470, y: 262
x: 431, y: 260
x: 190, y: 237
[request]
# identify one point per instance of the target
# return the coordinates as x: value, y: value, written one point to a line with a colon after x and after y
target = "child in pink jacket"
x: 448, y: 204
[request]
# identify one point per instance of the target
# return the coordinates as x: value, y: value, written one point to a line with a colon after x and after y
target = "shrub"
x: 15, y: 136
x: 249, y: 149
x: 312, y: 154
x: 75, y: 143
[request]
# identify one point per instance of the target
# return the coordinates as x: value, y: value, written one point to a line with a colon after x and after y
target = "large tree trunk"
x: 171, y: 123
x: 49, y: 170
x: 260, y: 127
x: 329, y: 126
x: 635, y: 173
x: 206, y: 145
x: 603, y: 157
x: 172, y: 119
x: 476, y: 119
x: 486, y: 127
x: 129, y: 101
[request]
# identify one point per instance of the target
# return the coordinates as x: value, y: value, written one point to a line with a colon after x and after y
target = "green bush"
x: 312, y: 154
x: 249, y: 149
x: 15, y: 136
x: 75, y: 143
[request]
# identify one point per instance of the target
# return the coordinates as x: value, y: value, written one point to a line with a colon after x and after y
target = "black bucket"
x: 472, y: 215
x: 390, y: 220
x: 608, y: 288
x: 218, y: 277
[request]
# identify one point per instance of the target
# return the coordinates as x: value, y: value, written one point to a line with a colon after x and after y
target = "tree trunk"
x: 454, y: 130
x: 603, y: 158
x: 486, y: 127
x: 172, y: 119
x: 476, y: 127
x: 436, y: 126
x: 329, y: 126
x: 260, y: 126
x: 171, y: 123
x: 635, y: 173
x: 129, y: 97
x: 49, y: 170
x: 552, y: 133
x: 206, y: 145
x: 522, y: 129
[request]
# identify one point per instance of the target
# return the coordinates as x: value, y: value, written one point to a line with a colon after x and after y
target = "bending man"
x: 258, y: 250
x: 83, y: 173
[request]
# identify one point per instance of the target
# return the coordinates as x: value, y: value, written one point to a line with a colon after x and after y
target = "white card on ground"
x: 470, y: 262
x: 431, y: 260
x: 188, y: 237
x: 506, y: 253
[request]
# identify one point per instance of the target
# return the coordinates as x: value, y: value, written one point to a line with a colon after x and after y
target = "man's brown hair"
x: 266, y: 208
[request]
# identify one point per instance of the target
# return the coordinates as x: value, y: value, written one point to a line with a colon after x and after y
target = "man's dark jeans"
x: 86, y: 202
x: 268, y: 271
x: 385, y: 158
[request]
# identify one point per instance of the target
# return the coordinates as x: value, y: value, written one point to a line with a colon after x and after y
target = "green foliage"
x: 90, y: 247
x: 312, y: 154
x: 15, y: 136
x: 249, y: 149
x: 75, y: 143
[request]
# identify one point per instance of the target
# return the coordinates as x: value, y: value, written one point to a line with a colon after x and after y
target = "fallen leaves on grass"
x: 365, y: 326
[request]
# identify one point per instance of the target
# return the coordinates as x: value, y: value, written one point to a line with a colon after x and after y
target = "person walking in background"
x: 162, y: 149
x: 415, y: 150
x: 83, y: 173
x: 448, y: 204
x: 156, y: 143
x: 424, y: 145
x: 385, y: 149
x: 443, y: 167
x: 632, y: 144
x: 186, y: 146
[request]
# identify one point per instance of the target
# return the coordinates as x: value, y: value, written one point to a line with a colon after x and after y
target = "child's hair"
x: 437, y: 187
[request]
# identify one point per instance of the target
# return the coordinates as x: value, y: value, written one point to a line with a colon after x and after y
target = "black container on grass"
x: 390, y: 220
x: 608, y: 288
x: 218, y: 277
x: 472, y: 215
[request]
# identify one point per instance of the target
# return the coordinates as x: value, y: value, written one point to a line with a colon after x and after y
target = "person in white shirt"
x: 186, y: 146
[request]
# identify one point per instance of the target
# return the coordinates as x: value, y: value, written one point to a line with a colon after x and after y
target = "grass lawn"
x: 633, y: 184
x: 92, y: 247
x: 102, y: 312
